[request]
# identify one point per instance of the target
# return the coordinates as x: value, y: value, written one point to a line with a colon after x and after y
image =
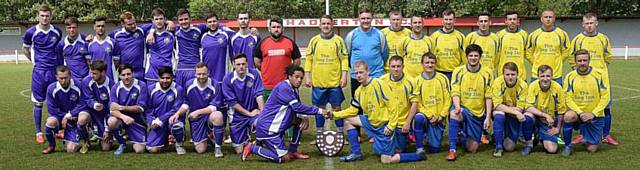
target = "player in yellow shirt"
x: 394, y: 34
x: 413, y: 47
x: 401, y: 89
x: 326, y: 69
x: 513, y: 43
x: 372, y: 99
x: 508, y: 95
x: 448, y: 45
x: 545, y: 101
x: 430, y: 105
x: 587, y: 96
x: 548, y: 45
x: 472, y: 104
x: 599, y: 48
x: 487, y: 40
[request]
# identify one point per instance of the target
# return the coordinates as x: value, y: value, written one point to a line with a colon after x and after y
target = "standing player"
x: 201, y: 100
x: 39, y: 43
x: 243, y: 93
x: 548, y: 45
x: 430, y: 103
x: 368, y: 44
x: 448, y: 45
x: 371, y: 99
x: 513, y: 42
x: 599, y: 49
x: 73, y: 49
x: 64, y: 104
x: 509, y: 100
x: 244, y: 41
x: 102, y: 48
x: 188, y: 47
x: 165, y: 98
x: 215, y: 49
x: 488, y: 41
x: 472, y: 104
x: 130, y: 44
x: 160, y: 50
x: 394, y: 34
x: 273, y: 54
x: 327, y: 66
x: 545, y: 100
x: 128, y: 100
x: 279, y: 114
x: 401, y: 89
x: 413, y: 47
x: 95, y: 93
x: 587, y: 97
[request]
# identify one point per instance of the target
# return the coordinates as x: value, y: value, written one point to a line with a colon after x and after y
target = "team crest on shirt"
x: 73, y: 97
x: 251, y: 44
x: 54, y: 39
x: 108, y: 49
x: 134, y: 96
x: 81, y: 49
x: 208, y: 96
x: 250, y: 83
x: 166, y: 40
x: 221, y: 40
x: 104, y: 96
x: 195, y: 36
x: 170, y: 98
x: 135, y: 35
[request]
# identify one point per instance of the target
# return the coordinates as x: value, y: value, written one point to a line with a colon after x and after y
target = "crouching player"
x: 243, y: 92
x: 430, y: 105
x: 508, y: 95
x: 371, y: 98
x: 64, y: 104
x: 545, y: 100
x: 279, y: 114
x: 472, y: 104
x: 127, y: 103
x: 401, y: 88
x: 202, y: 101
x: 95, y: 92
x: 587, y: 97
x: 165, y: 98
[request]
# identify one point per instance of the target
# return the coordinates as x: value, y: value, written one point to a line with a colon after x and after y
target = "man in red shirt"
x: 273, y: 54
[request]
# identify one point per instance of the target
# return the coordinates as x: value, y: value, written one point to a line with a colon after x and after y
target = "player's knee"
x: 215, y: 118
x: 570, y: 117
x: 472, y: 146
x: 386, y: 159
x: 154, y: 150
x: 592, y: 148
x: 139, y: 148
x: 105, y: 146
x: 52, y: 122
x: 113, y: 122
x: 83, y: 118
x: 509, y: 145
x: 529, y: 114
x: 201, y: 148
x: 238, y: 149
x: 551, y: 148
x: 71, y: 147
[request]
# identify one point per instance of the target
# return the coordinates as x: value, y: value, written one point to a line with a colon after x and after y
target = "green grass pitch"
x: 18, y: 149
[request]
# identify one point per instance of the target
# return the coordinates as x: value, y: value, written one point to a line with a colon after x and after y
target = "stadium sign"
x: 10, y: 31
x: 340, y: 22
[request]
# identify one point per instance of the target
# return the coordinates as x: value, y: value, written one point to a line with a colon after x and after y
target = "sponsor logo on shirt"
x: 276, y: 52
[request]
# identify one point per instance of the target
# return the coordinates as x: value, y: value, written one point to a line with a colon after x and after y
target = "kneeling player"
x: 401, y: 89
x: 128, y: 99
x: 508, y: 95
x: 545, y: 100
x: 95, y: 92
x: 202, y: 101
x: 430, y: 105
x: 587, y: 97
x: 243, y: 92
x: 279, y: 114
x: 64, y: 105
x: 165, y: 98
x: 371, y: 98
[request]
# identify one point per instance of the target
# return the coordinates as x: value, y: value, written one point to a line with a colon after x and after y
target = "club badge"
x: 195, y: 35
x: 170, y: 98
x: 220, y: 40
x: 135, y: 35
x: 104, y: 96
x: 73, y: 97
x: 166, y: 40
x: 251, y: 44
x: 134, y: 96
x: 108, y: 49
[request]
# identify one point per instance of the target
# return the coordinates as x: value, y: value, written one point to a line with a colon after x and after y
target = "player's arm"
x: 352, y: 110
x: 608, y: 56
x: 530, y: 47
x: 344, y: 64
x: 566, y: 44
x: 52, y: 105
x: 446, y: 102
x: 308, y: 62
x: 455, y: 92
x: 177, y: 104
x: 574, y: 43
x: 288, y: 96
x: 257, y: 55
x: 27, y: 44
x: 384, y: 48
x: 604, y: 96
x: 257, y: 93
x: 414, y: 100
x: 295, y: 54
x: 488, y: 102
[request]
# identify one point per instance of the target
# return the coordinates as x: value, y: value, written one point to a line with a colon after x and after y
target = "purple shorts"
x: 70, y: 131
x: 99, y: 119
x: 40, y: 80
x: 182, y: 76
x: 274, y: 143
x: 199, y: 129
x: 241, y: 128
x: 158, y: 136
x: 137, y: 131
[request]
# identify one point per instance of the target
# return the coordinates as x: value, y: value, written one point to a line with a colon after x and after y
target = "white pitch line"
x: 626, y: 88
x: 24, y: 91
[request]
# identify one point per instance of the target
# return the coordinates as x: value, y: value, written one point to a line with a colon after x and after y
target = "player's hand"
x: 174, y: 118
x: 194, y: 115
x: 106, y: 137
x: 455, y: 111
x: 89, y: 38
x: 343, y: 82
x: 127, y: 120
x: 434, y: 119
x: 406, y: 127
x: 487, y: 124
x: 151, y: 38
x: 520, y: 117
x: 553, y: 131
x: 98, y: 107
x: 304, y: 124
x: 153, y: 126
x: 308, y: 83
x: 586, y: 117
x: 254, y: 113
x: 255, y: 32
x: 115, y: 107
x: 387, y: 131
x: 171, y: 26
x: 549, y: 119
x: 64, y: 122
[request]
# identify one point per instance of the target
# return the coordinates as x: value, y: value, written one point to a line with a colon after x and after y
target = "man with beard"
x: 95, y: 92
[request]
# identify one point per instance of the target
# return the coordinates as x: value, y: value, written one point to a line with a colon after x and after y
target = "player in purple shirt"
x: 38, y: 46
x: 188, y: 47
x: 243, y: 92
x: 216, y: 48
x: 103, y: 48
x: 161, y: 49
x: 73, y: 49
x: 127, y: 104
x: 244, y: 41
x: 202, y: 100
x: 130, y: 43
x: 64, y: 104
x: 95, y: 95
x: 165, y: 98
x: 280, y: 113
